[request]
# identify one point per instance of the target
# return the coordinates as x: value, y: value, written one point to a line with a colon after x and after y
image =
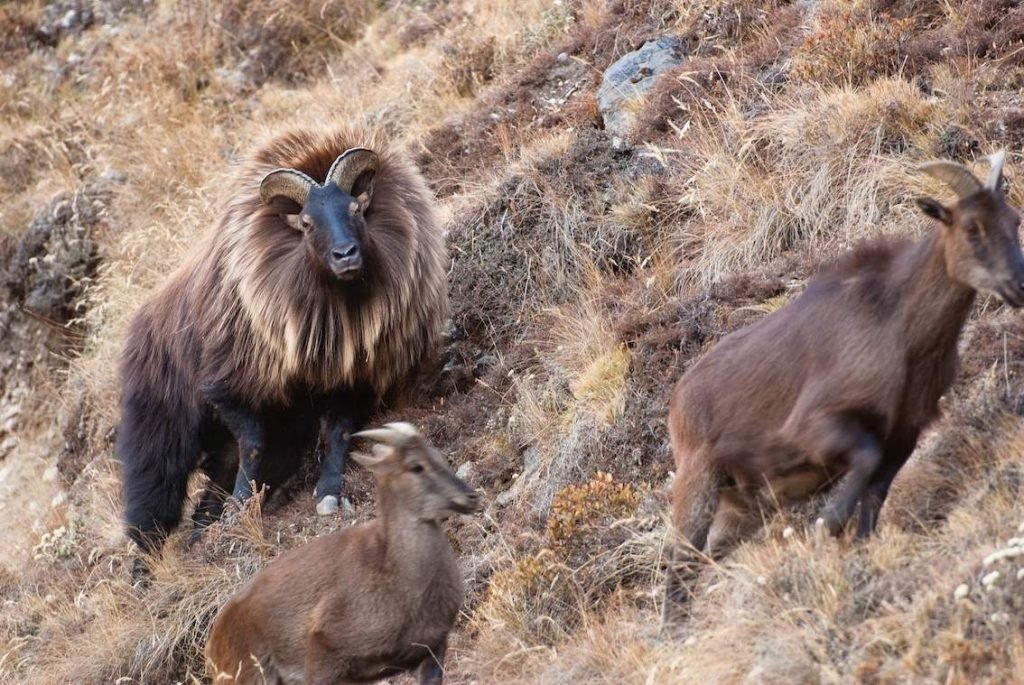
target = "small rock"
x: 761, y: 580
x: 8, y: 444
x: 112, y: 175
x: 618, y: 143
x: 961, y: 591
x: 466, y: 471
x: 631, y: 76
x: 789, y: 532
x: 989, y: 580
x: 50, y: 474
x: 562, y: 58
x: 234, y: 80
x: 58, y: 499
x: 505, y: 497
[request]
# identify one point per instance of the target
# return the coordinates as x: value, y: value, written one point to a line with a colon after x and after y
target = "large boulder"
x: 627, y: 80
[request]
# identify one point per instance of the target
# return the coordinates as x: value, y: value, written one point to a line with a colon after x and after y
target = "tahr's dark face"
x: 333, y: 224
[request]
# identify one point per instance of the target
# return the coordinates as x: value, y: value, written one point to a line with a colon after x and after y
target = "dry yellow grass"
x: 591, y: 276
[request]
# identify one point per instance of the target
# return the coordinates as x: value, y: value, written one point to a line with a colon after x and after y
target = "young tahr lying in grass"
x: 363, y: 603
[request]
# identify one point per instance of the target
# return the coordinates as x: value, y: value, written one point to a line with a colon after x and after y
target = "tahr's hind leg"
x: 841, y: 443
x: 695, y: 499
x: 159, y: 449
x: 431, y: 671
x: 734, y: 522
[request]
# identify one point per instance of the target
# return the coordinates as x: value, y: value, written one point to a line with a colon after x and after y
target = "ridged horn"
x: 289, y: 183
x: 388, y: 436
x: 369, y: 461
x: 956, y: 176
x: 404, y: 428
x: 995, y: 176
x: 350, y: 164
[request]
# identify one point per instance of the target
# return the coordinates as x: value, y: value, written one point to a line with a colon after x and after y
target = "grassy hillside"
x: 588, y: 271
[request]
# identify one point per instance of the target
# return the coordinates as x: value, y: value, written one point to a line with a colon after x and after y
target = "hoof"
x: 327, y: 506
x: 330, y: 505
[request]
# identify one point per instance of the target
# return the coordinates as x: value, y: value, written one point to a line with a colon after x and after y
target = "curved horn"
x: 404, y: 428
x: 289, y: 183
x: 956, y: 176
x: 389, y: 436
x: 369, y: 461
x: 995, y: 160
x: 350, y: 164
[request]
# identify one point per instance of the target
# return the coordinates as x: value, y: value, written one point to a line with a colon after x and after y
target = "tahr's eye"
x: 416, y: 468
x: 306, y: 220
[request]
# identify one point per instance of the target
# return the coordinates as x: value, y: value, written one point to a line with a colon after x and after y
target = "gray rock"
x: 112, y: 175
x: 630, y: 77
x: 64, y: 18
x: 466, y: 471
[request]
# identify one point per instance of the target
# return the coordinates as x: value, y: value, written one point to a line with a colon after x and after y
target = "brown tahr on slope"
x: 304, y: 305
x: 363, y: 603
x: 839, y: 383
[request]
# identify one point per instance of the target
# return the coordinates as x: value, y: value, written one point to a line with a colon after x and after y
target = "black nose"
x: 345, y: 260
x: 344, y: 251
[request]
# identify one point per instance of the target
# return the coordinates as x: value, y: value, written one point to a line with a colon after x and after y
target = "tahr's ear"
x: 935, y: 210
x: 285, y: 206
x: 362, y: 189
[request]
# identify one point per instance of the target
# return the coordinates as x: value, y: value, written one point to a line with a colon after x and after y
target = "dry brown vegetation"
x: 584, y: 279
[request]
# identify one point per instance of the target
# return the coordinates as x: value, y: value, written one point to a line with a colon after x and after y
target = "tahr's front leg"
x: 245, y: 424
x: 341, y: 415
x: 337, y: 432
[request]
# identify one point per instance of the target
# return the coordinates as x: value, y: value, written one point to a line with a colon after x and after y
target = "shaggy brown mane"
x: 300, y: 330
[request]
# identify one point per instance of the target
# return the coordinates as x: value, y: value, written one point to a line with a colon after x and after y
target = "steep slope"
x: 589, y: 268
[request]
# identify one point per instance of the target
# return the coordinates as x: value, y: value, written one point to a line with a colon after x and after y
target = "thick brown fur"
x: 245, y: 314
x: 363, y: 603
x: 837, y: 384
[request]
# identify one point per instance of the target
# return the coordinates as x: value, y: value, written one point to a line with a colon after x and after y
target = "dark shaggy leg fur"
x: 159, y: 447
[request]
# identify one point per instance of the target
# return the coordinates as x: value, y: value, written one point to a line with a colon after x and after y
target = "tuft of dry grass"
x: 826, y: 168
x: 585, y: 279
